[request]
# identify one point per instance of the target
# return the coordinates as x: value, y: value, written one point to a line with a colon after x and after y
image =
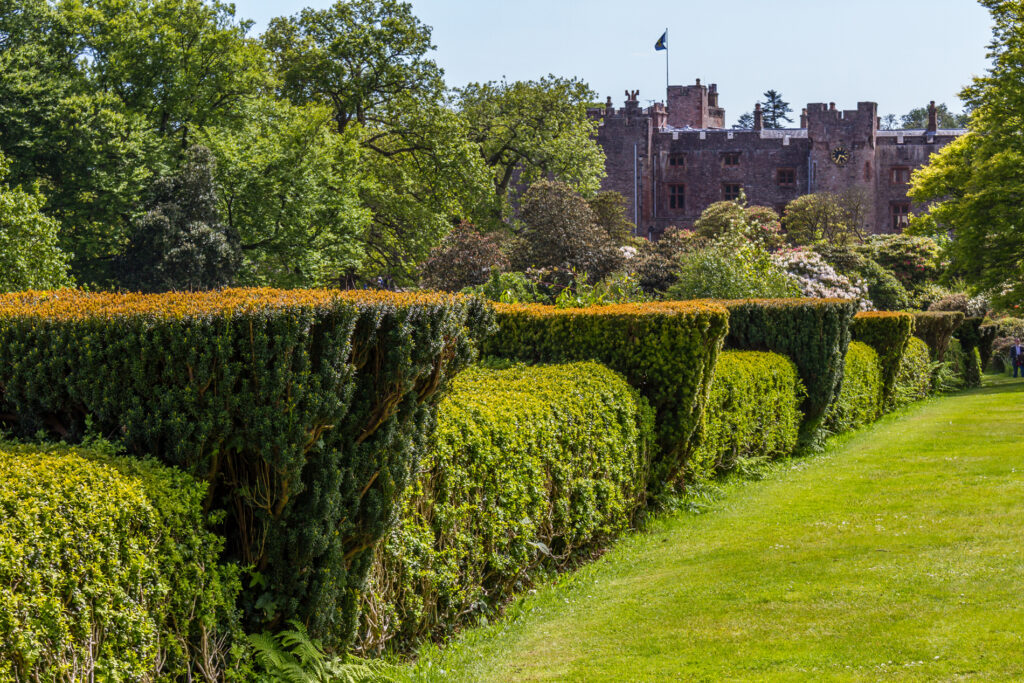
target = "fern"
x: 292, y: 656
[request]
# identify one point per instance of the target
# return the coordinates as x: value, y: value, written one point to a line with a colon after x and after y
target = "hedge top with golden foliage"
x: 73, y: 304
x: 652, y: 308
x: 782, y: 303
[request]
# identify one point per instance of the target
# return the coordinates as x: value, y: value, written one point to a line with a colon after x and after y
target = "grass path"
x: 898, y: 554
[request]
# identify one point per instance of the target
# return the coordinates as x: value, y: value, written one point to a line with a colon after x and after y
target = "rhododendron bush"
x: 819, y: 280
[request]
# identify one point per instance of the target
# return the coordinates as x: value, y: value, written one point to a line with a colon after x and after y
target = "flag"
x: 662, y: 43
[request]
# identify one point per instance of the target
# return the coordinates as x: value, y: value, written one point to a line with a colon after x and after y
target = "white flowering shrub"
x: 818, y: 279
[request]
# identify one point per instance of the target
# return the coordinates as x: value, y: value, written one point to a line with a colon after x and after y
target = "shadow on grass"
x: 998, y: 384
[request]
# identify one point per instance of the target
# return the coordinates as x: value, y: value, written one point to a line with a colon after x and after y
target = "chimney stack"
x: 803, y: 118
x: 933, y: 117
x: 758, y: 117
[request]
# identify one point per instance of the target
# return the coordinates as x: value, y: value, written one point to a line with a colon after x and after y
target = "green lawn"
x: 898, y: 554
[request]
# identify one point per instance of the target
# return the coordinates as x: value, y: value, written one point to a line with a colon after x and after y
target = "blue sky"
x: 899, y: 53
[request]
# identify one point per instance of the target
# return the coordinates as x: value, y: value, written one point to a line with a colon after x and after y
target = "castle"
x: 673, y: 159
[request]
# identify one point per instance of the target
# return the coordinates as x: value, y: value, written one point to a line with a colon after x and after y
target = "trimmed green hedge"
x: 813, y: 333
x: 936, y: 328
x: 888, y: 333
x: 305, y: 410
x: 530, y: 466
x: 753, y: 412
x: 108, y: 571
x: 975, y: 340
x: 914, y: 378
x: 668, y: 352
x: 860, y: 400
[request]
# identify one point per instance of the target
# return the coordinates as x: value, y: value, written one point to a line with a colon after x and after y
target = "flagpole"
x: 666, y: 63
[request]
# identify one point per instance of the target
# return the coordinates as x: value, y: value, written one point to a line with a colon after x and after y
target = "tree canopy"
x: 976, y: 183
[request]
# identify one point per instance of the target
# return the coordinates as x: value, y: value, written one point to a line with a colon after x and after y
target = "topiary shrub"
x: 109, y: 571
x: 667, y: 351
x: 530, y: 467
x: 860, y: 400
x: 304, y: 410
x: 973, y: 337
x: 914, y: 377
x: 936, y: 328
x: 888, y: 333
x: 813, y: 333
x: 753, y: 412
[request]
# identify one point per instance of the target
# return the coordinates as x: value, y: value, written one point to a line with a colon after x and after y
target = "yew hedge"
x: 667, y: 351
x: 813, y: 333
x: 530, y: 467
x: 860, y: 400
x: 109, y: 571
x: 303, y: 410
x: 936, y: 328
x: 888, y: 333
x: 753, y: 412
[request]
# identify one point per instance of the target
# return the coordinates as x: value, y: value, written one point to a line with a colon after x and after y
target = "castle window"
x: 677, y: 197
x: 731, y: 159
x: 731, y: 191
x: 786, y: 177
x: 900, y: 212
x: 899, y: 175
x: 676, y: 159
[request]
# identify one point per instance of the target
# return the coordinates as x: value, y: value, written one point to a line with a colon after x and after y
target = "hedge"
x: 936, y: 328
x: 888, y: 333
x: 753, y: 412
x: 914, y: 378
x: 813, y: 333
x: 860, y: 400
x: 530, y: 465
x: 667, y: 351
x: 305, y: 411
x: 108, y: 571
x: 975, y: 339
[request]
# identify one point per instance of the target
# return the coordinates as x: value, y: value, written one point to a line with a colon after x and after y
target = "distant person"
x: 1017, y: 357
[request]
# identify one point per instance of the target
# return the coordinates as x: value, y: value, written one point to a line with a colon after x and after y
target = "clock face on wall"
x: 840, y: 155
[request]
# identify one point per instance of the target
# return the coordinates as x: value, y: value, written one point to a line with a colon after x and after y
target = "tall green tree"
x: 775, y: 110
x: 918, y: 118
x: 976, y: 183
x: 181, y: 243
x: 528, y: 130
x: 30, y: 257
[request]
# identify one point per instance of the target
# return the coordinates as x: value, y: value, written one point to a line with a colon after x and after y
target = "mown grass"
x: 897, y: 554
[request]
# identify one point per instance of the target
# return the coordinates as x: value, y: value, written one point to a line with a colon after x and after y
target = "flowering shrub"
x: 913, y: 260
x: 972, y: 307
x: 818, y: 280
x: 759, y: 224
x: 731, y: 268
x: 658, y: 263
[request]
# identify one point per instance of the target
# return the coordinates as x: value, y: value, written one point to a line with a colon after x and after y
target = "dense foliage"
x: 860, y: 400
x: 340, y: 155
x: 883, y: 289
x: 732, y: 267
x: 753, y: 412
x: 973, y: 184
x: 816, y: 279
x: 109, y: 571
x: 30, y: 256
x: 529, y: 467
x: 936, y: 328
x: 813, y: 333
x: 914, y: 377
x: 304, y: 410
x: 465, y: 258
x: 667, y: 351
x: 888, y: 334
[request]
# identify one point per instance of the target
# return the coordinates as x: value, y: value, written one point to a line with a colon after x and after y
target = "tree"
x: 180, y: 243
x: 30, y: 257
x: 289, y: 188
x: 918, y: 118
x: 561, y: 230
x: 357, y: 56
x: 528, y: 130
x: 465, y: 258
x: 731, y: 268
x: 889, y: 122
x: 759, y: 224
x: 775, y: 110
x: 745, y: 121
x: 825, y: 216
x: 975, y: 181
